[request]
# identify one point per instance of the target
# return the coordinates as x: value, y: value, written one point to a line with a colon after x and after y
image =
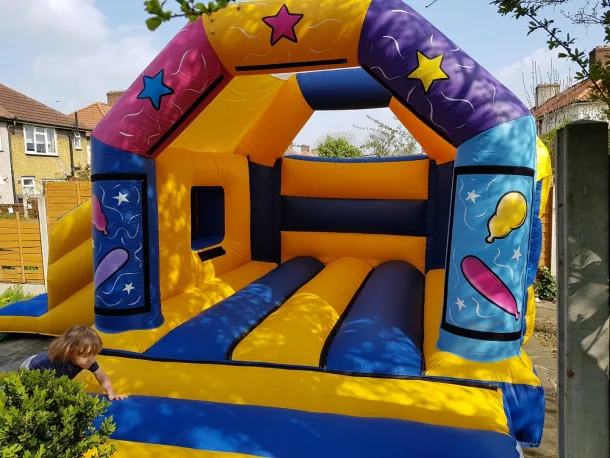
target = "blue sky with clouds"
x: 69, y: 53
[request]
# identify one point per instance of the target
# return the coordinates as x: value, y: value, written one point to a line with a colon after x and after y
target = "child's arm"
x: 106, y: 384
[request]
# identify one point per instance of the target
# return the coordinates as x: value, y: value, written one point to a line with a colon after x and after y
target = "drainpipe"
x: 70, y: 140
x: 10, y: 157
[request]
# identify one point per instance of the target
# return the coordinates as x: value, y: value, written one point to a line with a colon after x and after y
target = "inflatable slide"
x: 254, y: 304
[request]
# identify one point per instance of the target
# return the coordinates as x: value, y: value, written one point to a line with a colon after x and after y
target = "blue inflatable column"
x: 489, y: 243
x: 125, y: 240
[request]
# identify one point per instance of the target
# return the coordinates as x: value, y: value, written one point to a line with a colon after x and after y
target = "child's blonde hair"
x: 78, y: 341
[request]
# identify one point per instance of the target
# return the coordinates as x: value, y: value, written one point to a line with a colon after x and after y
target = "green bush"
x: 544, y: 285
x: 46, y: 417
x: 13, y: 294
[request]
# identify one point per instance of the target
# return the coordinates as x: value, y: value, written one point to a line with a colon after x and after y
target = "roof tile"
x: 14, y: 104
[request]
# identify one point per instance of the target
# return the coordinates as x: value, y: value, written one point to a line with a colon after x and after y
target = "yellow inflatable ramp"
x: 69, y: 300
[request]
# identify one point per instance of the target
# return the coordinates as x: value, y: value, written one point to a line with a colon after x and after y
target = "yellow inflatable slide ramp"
x: 245, y: 410
x: 69, y: 300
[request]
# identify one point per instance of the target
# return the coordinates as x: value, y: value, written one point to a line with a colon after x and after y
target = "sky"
x: 69, y: 53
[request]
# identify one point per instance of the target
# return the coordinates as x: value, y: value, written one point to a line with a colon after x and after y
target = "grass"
x: 14, y: 294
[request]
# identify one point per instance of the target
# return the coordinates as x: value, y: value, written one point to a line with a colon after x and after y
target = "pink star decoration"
x: 282, y: 25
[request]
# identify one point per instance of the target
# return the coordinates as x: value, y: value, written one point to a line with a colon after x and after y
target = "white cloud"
x: 69, y: 56
x: 542, y: 66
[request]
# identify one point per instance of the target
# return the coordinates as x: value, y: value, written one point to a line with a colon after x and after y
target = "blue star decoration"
x: 155, y: 89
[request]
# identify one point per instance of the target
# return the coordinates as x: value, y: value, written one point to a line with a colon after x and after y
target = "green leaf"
x: 153, y: 23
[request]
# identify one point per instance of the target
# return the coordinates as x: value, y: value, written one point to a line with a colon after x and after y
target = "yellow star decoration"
x: 428, y: 70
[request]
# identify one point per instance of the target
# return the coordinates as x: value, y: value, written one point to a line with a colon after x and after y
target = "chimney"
x: 546, y: 92
x: 600, y: 54
x: 305, y: 149
x: 113, y: 96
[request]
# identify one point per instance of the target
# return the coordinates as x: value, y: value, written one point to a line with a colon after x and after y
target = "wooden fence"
x: 20, y: 251
x: 547, y: 232
x: 62, y: 197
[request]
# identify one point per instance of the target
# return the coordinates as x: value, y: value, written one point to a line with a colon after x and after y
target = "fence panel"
x: 64, y: 196
x: 20, y: 251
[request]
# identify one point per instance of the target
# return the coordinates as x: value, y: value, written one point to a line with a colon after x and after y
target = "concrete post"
x: 582, y: 247
x: 44, y: 235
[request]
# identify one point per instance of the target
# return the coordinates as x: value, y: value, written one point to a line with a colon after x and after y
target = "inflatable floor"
x: 254, y: 304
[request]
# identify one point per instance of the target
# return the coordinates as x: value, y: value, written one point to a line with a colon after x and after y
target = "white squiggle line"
x: 106, y: 206
x: 181, y: 112
x: 134, y: 216
x: 318, y: 52
x: 456, y: 49
x: 205, y: 62
x: 456, y: 271
x: 459, y: 100
x: 99, y: 251
x: 245, y: 33
x: 478, y: 310
x: 463, y: 125
x: 384, y: 75
x: 432, y: 40
x: 182, y: 60
x: 106, y: 303
x: 136, y: 301
x: 158, y: 133
x: 409, y: 94
x: 184, y: 29
x: 371, y: 51
x: 123, y: 242
x: 138, y: 202
x: 114, y: 187
x: 512, y: 274
x: 432, y: 117
x: 125, y: 135
x: 117, y: 279
x: 489, y: 184
x: 493, y: 100
x: 464, y: 66
x: 482, y: 214
x: 403, y: 12
x: 132, y: 114
x: 135, y: 255
x: 202, y: 89
x: 324, y: 22
x: 258, y: 55
x: 126, y: 231
x: 395, y: 43
x: 465, y: 206
x: 451, y: 318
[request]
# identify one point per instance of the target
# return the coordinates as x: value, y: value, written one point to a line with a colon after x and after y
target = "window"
x: 39, y: 140
x: 207, y: 216
x: 77, y: 142
x: 28, y: 186
x: 89, y: 154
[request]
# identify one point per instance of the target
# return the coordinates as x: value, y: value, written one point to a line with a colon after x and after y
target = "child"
x: 69, y: 354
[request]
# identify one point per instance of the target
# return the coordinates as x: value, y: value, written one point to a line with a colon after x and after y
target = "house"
x: 38, y: 144
x: 91, y: 115
x: 555, y: 108
x: 306, y: 150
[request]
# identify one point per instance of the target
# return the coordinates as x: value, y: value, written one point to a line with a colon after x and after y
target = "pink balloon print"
x: 99, y: 219
x: 489, y: 285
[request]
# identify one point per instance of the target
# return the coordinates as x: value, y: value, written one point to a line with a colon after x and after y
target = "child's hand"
x: 116, y: 397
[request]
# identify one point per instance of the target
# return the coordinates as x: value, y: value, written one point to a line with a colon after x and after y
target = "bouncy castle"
x: 255, y: 304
